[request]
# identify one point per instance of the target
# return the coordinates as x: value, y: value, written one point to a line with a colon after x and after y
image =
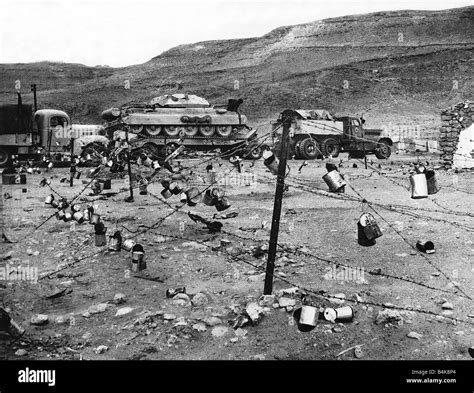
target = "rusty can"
x: 425, y: 246
x: 60, y: 214
x: 222, y: 204
x: 431, y: 182
x: 78, y: 217
x: 309, y: 315
x: 193, y: 196
x: 419, y: 186
x: 344, y: 314
x: 369, y: 226
x: 94, y: 218
x: 334, y: 181
x: 49, y: 199
x: 271, y: 162
x: 330, y: 314
x: 128, y: 244
x: 171, y: 292
x: 115, y: 241
x: 209, y: 199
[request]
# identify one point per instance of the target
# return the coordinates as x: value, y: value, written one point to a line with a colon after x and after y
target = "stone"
x: 212, y: 321
x: 200, y: 327
x: 388, y: 316
x: 234, y: 339
x: 447, y: 306
x: 40, y: 319
x: 447, y: 313
x: 219, y: 331
x: 97, y: 308
x: 101, y: 349
x: 169, y: 317
x: 123, y: 311
x: 266, y: 300
x: 200, y: 299
x: 338, y: 298
x: 240, y: 332
x: 414, y: 335
x: 181, y: 299
x: 358, y: 352
x: 254, y: 311
x: 119, y: 298
x: 259, y: 357
x: 21, y: 352
x: 284, y: 302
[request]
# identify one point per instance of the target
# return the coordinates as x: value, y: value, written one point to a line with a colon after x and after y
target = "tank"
x: 185, y: 118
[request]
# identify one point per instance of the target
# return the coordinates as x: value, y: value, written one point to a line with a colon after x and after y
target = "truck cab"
x: 22, y: 133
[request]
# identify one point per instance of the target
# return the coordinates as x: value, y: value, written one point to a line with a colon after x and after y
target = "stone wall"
x: 453, y: 120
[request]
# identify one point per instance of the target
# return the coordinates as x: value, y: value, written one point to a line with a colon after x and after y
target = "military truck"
x: 25, y: 134
x: 318, y: 133
x: 182, y: 119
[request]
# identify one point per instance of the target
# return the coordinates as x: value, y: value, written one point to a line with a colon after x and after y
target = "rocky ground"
x: 87, y: 303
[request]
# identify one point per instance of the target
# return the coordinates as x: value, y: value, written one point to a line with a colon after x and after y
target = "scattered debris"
x: 254, y: 311
x: 358, y: 352
x: 123, y: 311
x: 21, y: 352
x: 219, y: 331
x: 447, y: 306
x: 97, y: 308
x: 200, y: 327
x: 414, y: 335
x: 101, y: 349
x: 119, y: 298
x: 39, y: 319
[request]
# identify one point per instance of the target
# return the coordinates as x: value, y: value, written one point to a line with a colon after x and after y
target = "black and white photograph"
x: 225, y: 182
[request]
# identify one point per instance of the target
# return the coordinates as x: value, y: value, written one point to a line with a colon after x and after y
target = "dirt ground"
x: 78, y: 295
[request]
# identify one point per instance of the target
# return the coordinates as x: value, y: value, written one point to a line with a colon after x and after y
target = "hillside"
x: 396, y: 67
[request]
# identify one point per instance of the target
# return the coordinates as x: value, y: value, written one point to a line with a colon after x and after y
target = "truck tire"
x: 383, y: 150
x: 255, y: 153
x: 5, y: 157
x: 330, y: 147
x: 309, y: 149
x: 297, y: 151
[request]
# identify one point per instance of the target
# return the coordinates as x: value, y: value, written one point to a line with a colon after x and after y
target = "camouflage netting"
x: 453, y: 120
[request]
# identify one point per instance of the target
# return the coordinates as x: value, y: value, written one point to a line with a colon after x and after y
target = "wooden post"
x: 287, y: 118
x: 72, y: 169
x: 129, y: 153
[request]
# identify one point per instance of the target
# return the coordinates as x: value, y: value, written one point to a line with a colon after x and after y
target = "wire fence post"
x: 287, y: 118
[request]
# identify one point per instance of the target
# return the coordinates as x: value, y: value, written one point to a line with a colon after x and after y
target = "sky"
x: 124, y: 32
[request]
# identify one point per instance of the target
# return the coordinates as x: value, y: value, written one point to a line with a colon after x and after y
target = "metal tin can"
x: 115, y: 242
x: 49, y: 199
x: 431, y: 182
x: 94, y: 218
x: 419, y: 186
x: 334, y: 181
x: 183, y: 198
x: 344, y: 314
x: 370, y: 227
x: 128, y: 244
x: 171, y: 292
x: 79, y: 217
x: 100, y: 239
x: 330, y: 314
x: 426, y: 246
x: 60, y: 214
x: 309, y: 315
x: 209, y: 199
x: 222, y: 204
x: 194, y: 196
x: 137, y: 261
x: 272, y: 163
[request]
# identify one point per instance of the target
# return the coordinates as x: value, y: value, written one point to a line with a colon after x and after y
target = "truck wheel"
x: 5, y: 157
x: 224, y: 131
x: 383, y: 151
x: 297, y: 151
x: 255, y: 153
x: 309, y: 148
x: 330, y: 147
